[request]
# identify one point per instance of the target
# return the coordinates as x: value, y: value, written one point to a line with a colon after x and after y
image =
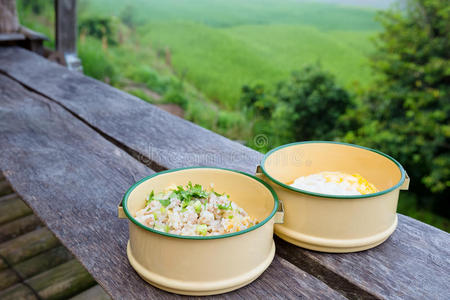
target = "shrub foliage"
x: 406, y: 112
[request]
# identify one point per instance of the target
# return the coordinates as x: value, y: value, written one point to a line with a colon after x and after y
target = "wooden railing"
x: 12, y: 33
x: 71, y: 145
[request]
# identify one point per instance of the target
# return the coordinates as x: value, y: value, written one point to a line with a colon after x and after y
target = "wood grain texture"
x: 61, y: 282
x: 74, y: 179
x: 12, y: 208
x: 7, y: 278
x: 27, y: 245
x: 413, y: 264
x: 160, y: 139
x: 42, y: 262
x: 17, y: 227
x: 18, y: 291
x: 94, y: 293
x: 5, y: 188
x: 282, y: 276
x: 9, y: 21
x: 8, y: 37
x: 3, y: 264
x: 66, y: 26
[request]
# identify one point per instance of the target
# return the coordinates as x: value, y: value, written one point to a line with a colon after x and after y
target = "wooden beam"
x: 5, y: 188
x: 9, y: 22
x: 11, y: 33
x: 66, y: 32
x: 17, y: 227
x: 28, y: 245
x: 96, y: 292
x: 12, y: 208
x: 42, y: 262
x: 65, y: 26
x: 18, y: 291
x: 61, y: 282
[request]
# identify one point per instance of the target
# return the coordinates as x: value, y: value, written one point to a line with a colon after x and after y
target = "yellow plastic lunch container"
x: 332, y: 223
x: 203, y: 265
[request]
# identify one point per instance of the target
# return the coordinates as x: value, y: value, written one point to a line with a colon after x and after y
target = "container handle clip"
x: 405, y: 185
x: 120, y: 212
x: 279, y: 215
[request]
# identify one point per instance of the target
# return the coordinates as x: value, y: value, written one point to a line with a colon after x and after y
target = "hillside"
x: 221, y: 45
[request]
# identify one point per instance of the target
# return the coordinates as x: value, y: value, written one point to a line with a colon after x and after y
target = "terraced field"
x: 221, y: 45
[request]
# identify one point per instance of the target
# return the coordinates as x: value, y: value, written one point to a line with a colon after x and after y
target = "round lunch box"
x: 203, y: 265
x: 331, y: 223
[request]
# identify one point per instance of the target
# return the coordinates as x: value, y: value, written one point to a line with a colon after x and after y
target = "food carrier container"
x: 334, y: 223
x: 203, y: 265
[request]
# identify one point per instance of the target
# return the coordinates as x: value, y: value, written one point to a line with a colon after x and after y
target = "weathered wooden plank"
x: 17, y: 227
x: 416, y: 262
x: 66, y: 33
x: 282, y: 275
x: 33, y: 266
x: 171, y: 142
x: 161, y: 139
x: 3, y: 264
x: 33, y: 35
x: 413, y: 263
x: 74, y: 180
x: 9, y: 22
x: 42, y: 262
x: 65, y: 26
x: 7, y: 278
x: 95, y: 293
x: 18, y: 291
x: 27, y: 245
x: 12, y: 208
x: 5, y: 188
x: 62, y: 281
x: 7, y: 37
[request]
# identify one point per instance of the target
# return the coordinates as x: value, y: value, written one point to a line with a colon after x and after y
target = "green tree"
x: 406, y: 112
x: 307, y: 106
x: 316, y: 103
x: 100, y: 27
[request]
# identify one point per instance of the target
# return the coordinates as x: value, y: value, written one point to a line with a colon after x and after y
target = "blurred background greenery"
x: 377, y: 76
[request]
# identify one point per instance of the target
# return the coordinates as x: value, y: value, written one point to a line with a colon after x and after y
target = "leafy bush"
x: 308, y: 106
x: 406, y: 113
x: 258, y: 100
x: 100, y: 27
x: 315, y: 103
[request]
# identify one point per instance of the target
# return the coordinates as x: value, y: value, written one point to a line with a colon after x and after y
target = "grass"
x: 219, y: 46
x: 221, y: 13
x: 219, y: 61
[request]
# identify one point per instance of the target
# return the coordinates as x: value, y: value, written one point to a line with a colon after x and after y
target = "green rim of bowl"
x: 132, y: 219
x: 402, y: 179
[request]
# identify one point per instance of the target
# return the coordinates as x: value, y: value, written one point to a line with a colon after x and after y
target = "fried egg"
x: 335, y: 183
